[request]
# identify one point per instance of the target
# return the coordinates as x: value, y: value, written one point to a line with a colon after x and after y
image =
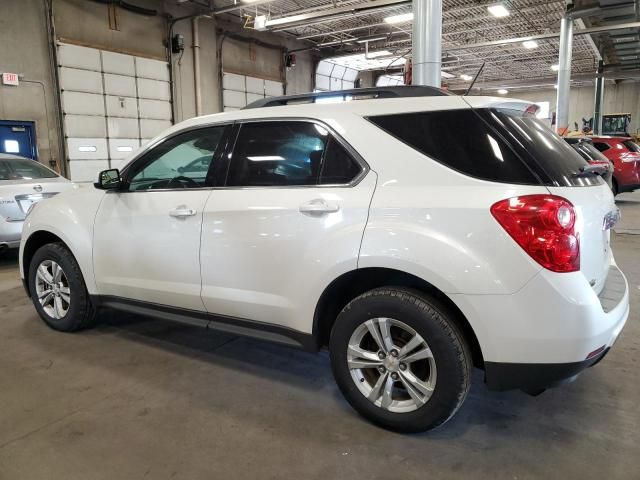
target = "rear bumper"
x: 628, y: 188
x: 534, y: 376
x: 546, y: 332
x: 10, y: 233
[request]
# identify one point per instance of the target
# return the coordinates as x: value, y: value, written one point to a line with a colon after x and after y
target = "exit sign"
x: 10, y: 79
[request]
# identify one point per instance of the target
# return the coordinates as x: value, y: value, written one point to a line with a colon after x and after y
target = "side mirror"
x: 108, y: 180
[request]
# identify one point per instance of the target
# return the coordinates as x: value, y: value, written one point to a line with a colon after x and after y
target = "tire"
x: 446, y: 373
x: 75, y: 310
x: 614, y: 187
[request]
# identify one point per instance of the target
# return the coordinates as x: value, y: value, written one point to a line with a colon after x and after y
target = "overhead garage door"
x: 240, y: 90
x: 112, y: 104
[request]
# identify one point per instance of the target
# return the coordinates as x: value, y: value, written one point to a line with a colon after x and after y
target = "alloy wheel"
x: 391, y: 364
x: 52, y: 289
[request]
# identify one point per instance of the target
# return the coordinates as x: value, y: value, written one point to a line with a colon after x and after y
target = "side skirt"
x: 233, y: 325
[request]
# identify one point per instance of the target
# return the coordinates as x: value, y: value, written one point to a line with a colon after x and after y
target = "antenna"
x: 474, y: 79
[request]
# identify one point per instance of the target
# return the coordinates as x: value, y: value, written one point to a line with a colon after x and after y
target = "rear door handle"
x: 182, y: 212
x: 319, y: 207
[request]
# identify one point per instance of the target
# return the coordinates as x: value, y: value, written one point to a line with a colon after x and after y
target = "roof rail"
x: 355, y: 93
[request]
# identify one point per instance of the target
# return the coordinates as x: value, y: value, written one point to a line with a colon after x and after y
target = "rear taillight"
x: 544, y: 226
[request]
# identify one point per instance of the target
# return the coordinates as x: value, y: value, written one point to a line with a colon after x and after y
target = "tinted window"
x: 338, y: 166
x: 589, y: 152
x: 459, y: 140
x: 631, y: 145
x: 277, y: 154
x: 496, y: 145
x: 555, y: 162
x: 601, y: 146
x: 18, y: 169
x: 180, y: 162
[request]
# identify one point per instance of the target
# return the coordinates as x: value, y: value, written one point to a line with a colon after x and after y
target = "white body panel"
x: 16, y: 197
x: 281, y: 259
x: 145, y: 253
x: 69, y: 216
x: 261, y: 259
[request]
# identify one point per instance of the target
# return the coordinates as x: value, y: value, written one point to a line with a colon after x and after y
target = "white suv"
x: 414, y: 233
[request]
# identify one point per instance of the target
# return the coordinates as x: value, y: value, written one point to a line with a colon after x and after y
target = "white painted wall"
x: 620, y: 98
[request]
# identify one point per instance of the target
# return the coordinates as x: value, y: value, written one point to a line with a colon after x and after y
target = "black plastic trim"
x: 534, y: 376
x: 233, y: 325
x: 373, y: 92
x: 628, y: 188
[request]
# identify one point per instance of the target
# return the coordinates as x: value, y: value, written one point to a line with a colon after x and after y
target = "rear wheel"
x: 400, y: 360
x: 58, y: 290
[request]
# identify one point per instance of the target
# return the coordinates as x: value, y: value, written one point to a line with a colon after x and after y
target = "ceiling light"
x: 498, y: 10
x: 371, y: 39
x: 403, y: 17
x: 503, y: 91
x: 555, y: 67
x: 530, y: 44
x: 466, y: 78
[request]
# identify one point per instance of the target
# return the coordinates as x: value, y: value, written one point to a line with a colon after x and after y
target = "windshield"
x: 19, y: 169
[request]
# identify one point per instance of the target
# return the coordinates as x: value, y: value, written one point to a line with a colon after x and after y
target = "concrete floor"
x: 137, y: 398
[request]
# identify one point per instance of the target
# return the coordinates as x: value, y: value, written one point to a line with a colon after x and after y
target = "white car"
x: 23, y: 182
x: 415, y: 235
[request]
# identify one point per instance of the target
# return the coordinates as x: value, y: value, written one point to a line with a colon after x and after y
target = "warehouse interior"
x: 86, y: 84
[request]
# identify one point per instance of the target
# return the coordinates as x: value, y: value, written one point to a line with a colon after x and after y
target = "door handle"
x: 182, y: 212
x: 319, y: 207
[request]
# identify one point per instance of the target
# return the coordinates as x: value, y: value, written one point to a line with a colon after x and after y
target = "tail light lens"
x: 544, y: 226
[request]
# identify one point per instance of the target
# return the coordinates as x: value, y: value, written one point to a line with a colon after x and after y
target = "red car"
x: 624, y: 153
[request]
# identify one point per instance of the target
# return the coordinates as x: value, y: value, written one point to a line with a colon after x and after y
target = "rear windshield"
x: 18, y: 169
x: 589, y: 152
x: 631, y: 145
x: 490, y: 144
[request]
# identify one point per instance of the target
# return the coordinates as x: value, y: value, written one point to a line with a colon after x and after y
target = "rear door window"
x: 289, y: 153
x: 277, y: 154
x: 338, y: 166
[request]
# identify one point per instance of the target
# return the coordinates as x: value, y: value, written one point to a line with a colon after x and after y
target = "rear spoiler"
x: 525, y: 108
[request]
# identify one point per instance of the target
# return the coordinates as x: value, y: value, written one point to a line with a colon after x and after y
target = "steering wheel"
x: 184, y: 182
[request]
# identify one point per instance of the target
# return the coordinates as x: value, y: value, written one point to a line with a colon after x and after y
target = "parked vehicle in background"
x: 23, y: 182
x: 625, y: 155
x: 370, y: 227
x: 584, y: 147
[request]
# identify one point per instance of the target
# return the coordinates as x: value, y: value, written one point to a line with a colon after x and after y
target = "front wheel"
x: 399, y: 359
x: 58, y: 290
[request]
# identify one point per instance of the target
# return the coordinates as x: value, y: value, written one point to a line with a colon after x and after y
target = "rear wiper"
x: 591, y: 169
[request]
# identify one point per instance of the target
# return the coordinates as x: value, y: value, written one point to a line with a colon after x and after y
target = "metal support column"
x: 564, y: 75
x: 598, y: 103
x: 427, y: 42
